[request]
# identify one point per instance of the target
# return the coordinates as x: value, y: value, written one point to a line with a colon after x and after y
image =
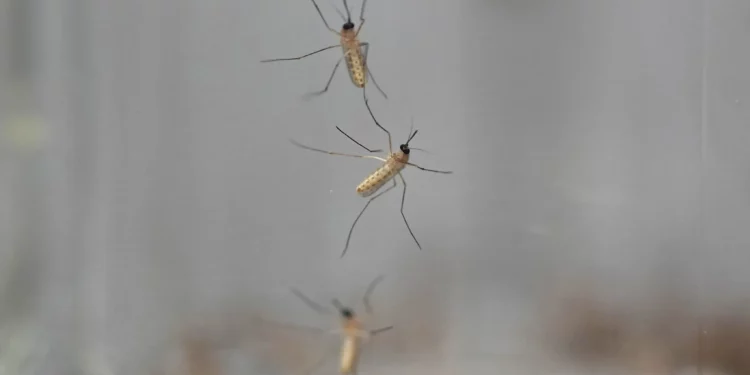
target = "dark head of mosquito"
x: 405, y: 147
x: 346, y: 313
x: 348, y: 25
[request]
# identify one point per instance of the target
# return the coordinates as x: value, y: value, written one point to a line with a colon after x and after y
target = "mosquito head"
x: 405, y: 147
x: 346, y: 313
x: 348, y: 25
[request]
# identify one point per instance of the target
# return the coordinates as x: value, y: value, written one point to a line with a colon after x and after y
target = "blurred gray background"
x: 147, y: 179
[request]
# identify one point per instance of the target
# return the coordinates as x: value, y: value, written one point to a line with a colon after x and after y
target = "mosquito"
x: 354, y: 51
x: 392, y: 166
x: 353, y: 331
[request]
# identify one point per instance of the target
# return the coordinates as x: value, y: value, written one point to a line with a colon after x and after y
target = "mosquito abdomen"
x: 349, y: 355
x: 355, y: 62
x: 395, y: 164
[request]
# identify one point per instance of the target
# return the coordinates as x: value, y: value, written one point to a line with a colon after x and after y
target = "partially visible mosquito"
x: 392, y: 166
x: 353, y: 330
x: 354, y: 52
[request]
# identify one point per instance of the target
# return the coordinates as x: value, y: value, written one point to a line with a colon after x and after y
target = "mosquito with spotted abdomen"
x: 355, y: 52
x: 353, y: 331
x: 392, y: 166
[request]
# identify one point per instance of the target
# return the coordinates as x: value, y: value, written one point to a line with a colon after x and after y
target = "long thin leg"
x: 325, y: 89
x: 367, y: 104
x: 366, y: 47
x: 403, y: 199
x: 301, y: 57
x: 380, y: 330
x: 362, y: 12
x: 374, y: 82
x: 349, y: 237
x: 367, y: 335
x: 429, y: 170
x: 324, y: 19
x: 355, y: 141
x: 361, y: 23
x: 361, y: 18
x: 310, y: 303
x: 336, y: 153
x: 368, y: 292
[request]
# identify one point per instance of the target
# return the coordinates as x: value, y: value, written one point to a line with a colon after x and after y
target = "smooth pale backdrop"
x: 587, y: 137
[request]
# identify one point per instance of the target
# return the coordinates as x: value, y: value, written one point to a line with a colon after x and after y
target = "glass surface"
x: 153, y: 212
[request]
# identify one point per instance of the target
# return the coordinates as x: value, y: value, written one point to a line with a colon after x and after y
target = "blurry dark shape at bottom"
x: 666, y: 337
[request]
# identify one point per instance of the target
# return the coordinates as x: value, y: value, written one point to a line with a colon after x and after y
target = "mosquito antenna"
x: 419, y: 149
x: 343, y: 18
x: 310, y: 303
x: 368, y: 292
x: 355, y: 141
x: 348, y: 14
x: 337, y: 304
x: 411, y: 136
x: 411, y: 127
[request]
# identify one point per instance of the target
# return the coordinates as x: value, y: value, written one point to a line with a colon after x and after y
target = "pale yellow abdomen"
x: 349, y: 355
x: 377, y: 179
x: 355, y: 63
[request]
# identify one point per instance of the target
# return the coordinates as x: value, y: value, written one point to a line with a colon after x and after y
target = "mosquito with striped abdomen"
x: 353, y: 331
x: 354, y: 52
x: 392, y: 166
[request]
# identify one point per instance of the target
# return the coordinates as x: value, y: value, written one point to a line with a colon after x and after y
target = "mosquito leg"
x: 429, y: 170
x: 362, y: 12
x: 368, y: 292
x: 355, y: 141
x: 403, y: 199
x: 366, y: 47
x: 349, y: 237
x: 324, y: 19
x: 367, y: 335
x: 337, y: 153
x: 361, y: 23
x: 361, y: 18
x: 367, y: 104
x: 325, y: 89
x: 380, y: 330
x: 374, y: 82
x: 301, y: 57
x: 310, y: 303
